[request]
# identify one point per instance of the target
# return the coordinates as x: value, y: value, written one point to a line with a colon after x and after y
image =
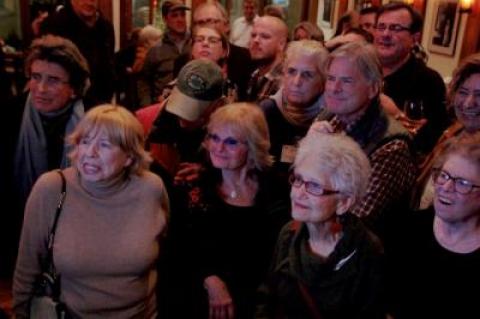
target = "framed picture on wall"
x: 326, y: 15
x: 444, y: 27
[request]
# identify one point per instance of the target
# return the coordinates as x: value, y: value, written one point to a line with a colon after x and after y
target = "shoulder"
x: 149, y: 182
x: 48, y: 182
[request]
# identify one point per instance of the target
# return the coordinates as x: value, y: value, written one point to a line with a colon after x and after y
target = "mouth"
x: 471, y: 113
x: 299, y: 205
x: 444, y: 201
x: 90, y: 168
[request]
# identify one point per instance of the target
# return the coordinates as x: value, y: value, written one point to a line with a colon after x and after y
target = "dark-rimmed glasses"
x: 460, y: 185
x: 394, y: 27
x: 210, y: 40
x: 312, y: 188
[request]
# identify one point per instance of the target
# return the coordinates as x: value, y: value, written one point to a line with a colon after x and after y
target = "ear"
x: 128, y: 162
x: 343, y: 205
x: 373, y: 91
x: 416, y: 37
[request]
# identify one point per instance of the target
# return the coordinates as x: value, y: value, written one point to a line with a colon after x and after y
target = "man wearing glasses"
x: 408, y: 80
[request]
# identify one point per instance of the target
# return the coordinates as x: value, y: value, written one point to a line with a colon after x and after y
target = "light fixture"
x: 466, y: 6
x: 409, y: 2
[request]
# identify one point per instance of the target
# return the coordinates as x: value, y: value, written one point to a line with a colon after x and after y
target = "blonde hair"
x: 307, y: 49
x: 248, y: 121
x: 122, y: 128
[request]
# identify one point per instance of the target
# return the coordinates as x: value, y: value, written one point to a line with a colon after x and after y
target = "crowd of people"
x: 252, y: 171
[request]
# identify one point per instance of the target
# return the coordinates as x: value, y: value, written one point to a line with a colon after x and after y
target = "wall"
x: 443, y: 64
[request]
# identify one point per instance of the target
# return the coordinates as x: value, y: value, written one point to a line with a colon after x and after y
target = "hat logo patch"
x: 196, y: 83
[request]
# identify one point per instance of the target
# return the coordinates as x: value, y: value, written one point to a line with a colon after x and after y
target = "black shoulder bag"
x: 45, y: 303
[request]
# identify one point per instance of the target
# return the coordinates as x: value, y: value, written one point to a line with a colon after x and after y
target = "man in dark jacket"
x: 82, y: 23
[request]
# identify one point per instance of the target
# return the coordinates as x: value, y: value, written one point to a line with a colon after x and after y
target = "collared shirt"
x: 261, y: 87
x: 393, y: 168
x: 241, y: 31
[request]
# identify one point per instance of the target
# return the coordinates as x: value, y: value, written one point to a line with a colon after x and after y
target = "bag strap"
x: 307, y: 297
x: 51, y: 236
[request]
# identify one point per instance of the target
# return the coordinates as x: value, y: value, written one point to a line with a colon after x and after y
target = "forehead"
x: 175, y: 13
x: 401, y: 16
x: 472, y: 82
x: 50, y: 68
x: 206, y: 31
x: 207, y: 12
x: 301, y: 61
x: 459, y: 165
x: 343, y: 66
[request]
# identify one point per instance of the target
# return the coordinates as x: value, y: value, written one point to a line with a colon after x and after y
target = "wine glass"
x: 414, y: 112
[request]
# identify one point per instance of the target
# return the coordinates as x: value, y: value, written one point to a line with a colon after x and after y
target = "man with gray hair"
x: 291, y: 111
x: 268, y: 41
x: 352, y: 90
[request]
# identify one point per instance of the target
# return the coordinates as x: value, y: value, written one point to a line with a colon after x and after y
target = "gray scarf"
x: 298, y: 116
x: 31, y: 152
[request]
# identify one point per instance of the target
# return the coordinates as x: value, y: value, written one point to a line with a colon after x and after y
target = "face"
x: 99, y: 159
x: 210, y: 15
x: 265, y: 41
x: 176, y: 21
x: 310, y: 208
x: 85, y: 8
x: 301, y: 34
x: 467, y: 103
x: 394, y: 46
x: 226, y: 149
x: 347, y: 92
x: 49, y: 86
x: 248, y: 10
x: 367, y: 22
x: 302, y: 81
x: 208, y: 44
x: 451, y: 206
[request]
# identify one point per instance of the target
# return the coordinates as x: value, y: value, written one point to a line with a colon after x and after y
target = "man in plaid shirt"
x: 353, y: 86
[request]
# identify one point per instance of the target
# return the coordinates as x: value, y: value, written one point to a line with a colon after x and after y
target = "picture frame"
x: 326, y: 13
x: 444, y: 27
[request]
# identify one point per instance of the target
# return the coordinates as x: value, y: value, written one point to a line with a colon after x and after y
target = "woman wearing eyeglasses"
x: 433, y: 263
x: 326, y: 263
x: 236, y: 210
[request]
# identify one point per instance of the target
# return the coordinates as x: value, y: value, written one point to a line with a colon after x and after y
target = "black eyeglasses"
x: 460, y: 185
x: 208, y: 21
x: 312, y: 188
x: 210, y: 40
x: 391, y: 27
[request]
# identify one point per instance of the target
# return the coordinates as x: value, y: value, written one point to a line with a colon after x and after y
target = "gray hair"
x: 467, y: 147
x: 308, y: 48
x: 365, y: 58
x: 340, y: 158
x: 248, y: 121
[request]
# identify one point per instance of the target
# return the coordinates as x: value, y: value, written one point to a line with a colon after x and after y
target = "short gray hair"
x: 248, y: 121
x: 308, y: 48
x: 365, y: 58
x: 340, y: 158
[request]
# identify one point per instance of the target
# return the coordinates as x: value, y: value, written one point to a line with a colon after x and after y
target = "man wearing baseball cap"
x: 183, y: 115
x: 160, y: 61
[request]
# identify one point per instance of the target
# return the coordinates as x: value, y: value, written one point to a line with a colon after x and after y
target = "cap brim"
x: 179, y: 7
x: 184, y: 106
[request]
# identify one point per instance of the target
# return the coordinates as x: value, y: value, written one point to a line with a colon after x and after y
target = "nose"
x: 469, y: 101
x: 297, y: 80
x: 449, y: 185
x: 92, y: 149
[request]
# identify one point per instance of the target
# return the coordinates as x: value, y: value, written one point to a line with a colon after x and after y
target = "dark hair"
x: 416, y: 17
x: 65, y: 53
x: 368, y: 10
x: 468, y: 66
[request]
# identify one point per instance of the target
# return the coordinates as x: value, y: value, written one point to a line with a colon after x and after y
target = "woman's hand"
x: 220, y: 302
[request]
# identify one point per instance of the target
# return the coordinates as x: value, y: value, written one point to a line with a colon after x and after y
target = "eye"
x: 291, y: 71
x: 36, y: 77
x: 308, y: 75
x: 231, y: 141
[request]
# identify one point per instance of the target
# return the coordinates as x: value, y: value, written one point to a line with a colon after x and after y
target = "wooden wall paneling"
x: 106, y: 8
x: 471, y: 38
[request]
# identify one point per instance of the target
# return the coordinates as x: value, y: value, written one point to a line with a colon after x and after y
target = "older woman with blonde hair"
x: 326, y: 263
x: 236, y: 208
x: 106, y: 241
